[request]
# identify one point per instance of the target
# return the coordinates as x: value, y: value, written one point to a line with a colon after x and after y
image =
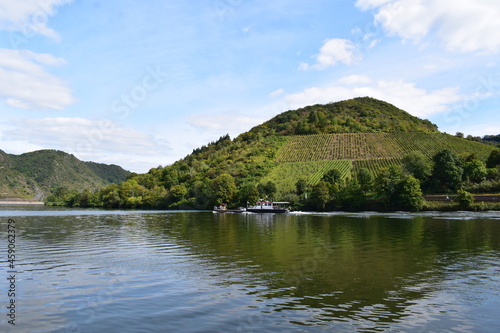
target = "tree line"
x: 393, y: 188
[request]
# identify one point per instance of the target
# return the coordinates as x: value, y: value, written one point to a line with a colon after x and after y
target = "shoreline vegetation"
x: 446, y: 182
x: 431, y: 205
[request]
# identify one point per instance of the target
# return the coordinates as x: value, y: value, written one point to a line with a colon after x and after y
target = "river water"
x: 136, y: 271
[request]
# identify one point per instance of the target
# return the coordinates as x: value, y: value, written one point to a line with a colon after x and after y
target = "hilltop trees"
x: 363, y: 114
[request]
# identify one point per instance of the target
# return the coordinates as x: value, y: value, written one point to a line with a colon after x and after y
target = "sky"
x: 143, y: 83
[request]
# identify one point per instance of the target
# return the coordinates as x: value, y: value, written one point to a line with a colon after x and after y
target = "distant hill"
x: 36, y: 174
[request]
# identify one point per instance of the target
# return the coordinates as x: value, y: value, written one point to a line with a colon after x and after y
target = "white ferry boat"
x: 265, y: 206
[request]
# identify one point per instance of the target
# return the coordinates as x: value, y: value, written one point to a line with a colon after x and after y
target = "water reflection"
x: 250, y: 272
x: 344, y: 268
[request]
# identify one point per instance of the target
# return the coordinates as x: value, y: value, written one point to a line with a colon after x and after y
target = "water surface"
x: 136, y: 271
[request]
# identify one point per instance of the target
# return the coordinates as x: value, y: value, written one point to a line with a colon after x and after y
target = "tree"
x: 447, y: 171
x: 416, y: 164
x: 85, y: 198
x: 133, y: 202
x: 301, y: 186
x: 178, y: 192
x: 111, y: 197
x: 268, y: 189
x: 224, y: 189
x: 249, y: 194
x: 471, y: 157
x: 408, y: 194
x: 493, y: 159
x: 399, y: 191
x: 365, y: 180
x: 464, y: 199
x: 351, y: 196
x: 475, y: 171
x: 332, y: 176
x: 386, y: 183
x: 320, y: 195
x: 154, y: 197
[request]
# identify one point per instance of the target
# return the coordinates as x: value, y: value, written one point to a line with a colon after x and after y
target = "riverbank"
x: 20, y: 202
x: 448, y: 206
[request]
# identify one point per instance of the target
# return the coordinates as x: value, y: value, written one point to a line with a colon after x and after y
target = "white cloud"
x: 368, y: 4
x: 26, y: 84
x: 463, y: 26
x: 83, y: 137
x: 355, y: 79
x: 405, y: 95
x: 29, y: 16
x: 332, y: 52
x: 277, y: 92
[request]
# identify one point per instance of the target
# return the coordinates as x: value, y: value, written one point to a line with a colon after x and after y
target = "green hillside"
x: 38, y: 173
x: 294, y: 149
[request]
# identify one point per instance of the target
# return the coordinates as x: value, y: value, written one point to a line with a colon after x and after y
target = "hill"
x: 298, y: 146
x: 36, y: 174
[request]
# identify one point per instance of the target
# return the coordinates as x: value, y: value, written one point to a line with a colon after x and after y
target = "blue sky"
x: 143, y: 83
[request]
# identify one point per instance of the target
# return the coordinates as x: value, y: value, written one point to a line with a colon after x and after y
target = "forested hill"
x: 289, y: 158
x: 358, y: 115
x: 36, y: 174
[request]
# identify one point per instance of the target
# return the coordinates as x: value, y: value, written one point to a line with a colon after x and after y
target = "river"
x: 162, y: 271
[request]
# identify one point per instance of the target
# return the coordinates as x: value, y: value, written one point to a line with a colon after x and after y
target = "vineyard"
x: 286, y: 175
x: 430, y: 144
x: 365, y: 146
x: 309, y: 157
x: 375, y: 165
x: 350, y: 146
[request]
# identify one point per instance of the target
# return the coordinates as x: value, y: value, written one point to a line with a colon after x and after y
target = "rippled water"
x: 101, y: 271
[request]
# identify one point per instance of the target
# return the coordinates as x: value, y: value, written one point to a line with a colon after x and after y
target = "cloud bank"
x: 26, y: 84
x: 29, y: 16
x: 462, y: 26
x: 83, y: 136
